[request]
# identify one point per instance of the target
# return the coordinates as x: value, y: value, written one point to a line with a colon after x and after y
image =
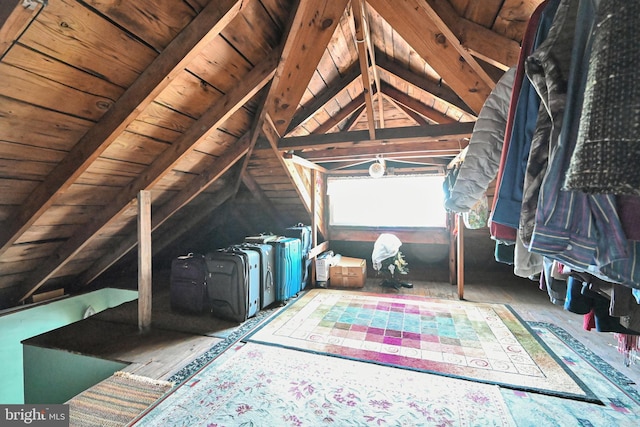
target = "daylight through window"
x: 392, y: 201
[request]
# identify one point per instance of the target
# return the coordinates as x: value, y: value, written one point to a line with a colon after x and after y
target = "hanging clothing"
x: 607, y: 152
x: 481, y: 162
x: 548, y: 70
x: 564, y: 226
x: 544, y: 11
x: 509, y: 195
x: 581, y: 300
x: 628, y: 208
x: 580, y: 230
x: 526, y: 264
x: 555, y: 284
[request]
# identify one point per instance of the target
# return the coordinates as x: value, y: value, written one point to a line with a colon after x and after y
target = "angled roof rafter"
x: 415, y: 105
x: 436, y: 89
x: 233, y: 100
x: 312, y: 27
x: 413, y: 115
x: 361, y: 38
x: 345, y: 112
x: 307, y: 111
x: 156, y: 77
x: 491, y: 47
x: 417, y: 28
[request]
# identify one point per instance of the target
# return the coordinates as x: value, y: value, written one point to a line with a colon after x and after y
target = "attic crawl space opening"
x: 388, y: 201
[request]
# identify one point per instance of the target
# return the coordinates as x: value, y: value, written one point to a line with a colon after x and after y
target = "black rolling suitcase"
x: 188, y: 284
x: 302, y: 232
x: 233, y: 284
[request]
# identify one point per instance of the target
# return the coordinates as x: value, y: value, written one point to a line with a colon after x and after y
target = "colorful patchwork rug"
x: 480, y: 342
x: 260, y: 385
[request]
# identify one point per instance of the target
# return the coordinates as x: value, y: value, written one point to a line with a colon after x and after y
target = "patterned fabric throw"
x: 606, y: 156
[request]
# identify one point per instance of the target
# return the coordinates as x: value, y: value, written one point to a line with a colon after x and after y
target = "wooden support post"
x: 460, y: 257
x: 452, y: 247
x: 144, y: 261
x: 314, y: 223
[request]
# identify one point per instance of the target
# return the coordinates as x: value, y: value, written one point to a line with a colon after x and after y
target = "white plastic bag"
x: 386, y: 246
x: 478, y: 216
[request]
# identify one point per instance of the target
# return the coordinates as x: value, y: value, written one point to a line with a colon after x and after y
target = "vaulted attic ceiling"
x: 197, y: 102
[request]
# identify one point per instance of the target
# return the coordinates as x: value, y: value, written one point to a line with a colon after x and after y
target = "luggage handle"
x: 189, y: 256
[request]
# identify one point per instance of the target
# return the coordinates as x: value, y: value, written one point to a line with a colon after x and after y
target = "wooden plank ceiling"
x: 197, y: 101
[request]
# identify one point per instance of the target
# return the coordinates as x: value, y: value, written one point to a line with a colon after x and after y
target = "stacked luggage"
x: 188, y: 292
x: 302, y: 232
x: 236, y: 282
x: 288, y: 269
x: 267, y: 272
x: 233, y: 283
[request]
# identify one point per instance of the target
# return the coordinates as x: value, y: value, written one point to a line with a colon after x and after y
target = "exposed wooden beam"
x: 313, y: 25
x: 496, y: 49
x: 307, y: 164
x: 431, y: 168
x: 305, y: 112
x: 271, y: 133
x: 355, y: 117
x: 214, y: 202
x: 413, y: 24
x: 460, y: 256
x: 144, y: 261
x: 15, y: 17
x: 201, y: 182
x: 411, y: 114
x: 407, y: 101
x: 406, y: 150
x: 255, y: 80
x: 254, y: 133
x: 437, y: 89
x: 361, y: 45
x: 340, y: 115
x: 156, y: 77
x: 314, y: 219
x: 196, y: 186
x: 453, y: 131
x: 267, y: 206
x: 317, y: 250
x: 435, y: 235
x: 372, y: 57
x: 443, y: 25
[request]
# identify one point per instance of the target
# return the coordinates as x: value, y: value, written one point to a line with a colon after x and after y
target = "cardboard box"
x: 348, y: 273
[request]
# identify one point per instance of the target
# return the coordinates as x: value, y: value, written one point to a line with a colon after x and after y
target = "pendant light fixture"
x: 377, y: 168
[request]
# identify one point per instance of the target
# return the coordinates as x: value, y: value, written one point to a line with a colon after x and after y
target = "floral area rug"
x: 460, y: 339
x: 259, y: 385
x: 620, y: 397
x: 231, y: 338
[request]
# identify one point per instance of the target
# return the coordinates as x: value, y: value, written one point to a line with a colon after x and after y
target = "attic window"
x: 390, y: 201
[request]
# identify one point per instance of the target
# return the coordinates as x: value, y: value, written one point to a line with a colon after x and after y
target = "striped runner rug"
x: 115, y: 401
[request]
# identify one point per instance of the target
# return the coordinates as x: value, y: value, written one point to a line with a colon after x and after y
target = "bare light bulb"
x: 376, y: 170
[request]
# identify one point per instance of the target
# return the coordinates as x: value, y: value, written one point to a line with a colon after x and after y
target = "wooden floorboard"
x: 165, y: 350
